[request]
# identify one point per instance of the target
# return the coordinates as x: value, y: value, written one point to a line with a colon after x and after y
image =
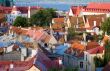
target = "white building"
x: 15, y: 13
x: 89, y: 57
x: 91, y: 9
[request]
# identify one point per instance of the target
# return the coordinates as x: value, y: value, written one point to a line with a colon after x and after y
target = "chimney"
x: 29, y: 12
x: 94, y: 23
x: 29, y: 28
x: 14, y: 8
x: 11, y: 66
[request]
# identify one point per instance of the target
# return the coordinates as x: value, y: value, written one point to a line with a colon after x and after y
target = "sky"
x: 58, y: 4
x: 65, y: 0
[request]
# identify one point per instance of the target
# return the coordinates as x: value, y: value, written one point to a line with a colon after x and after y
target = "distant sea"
x: 58, y: 6
x: 63, y: 7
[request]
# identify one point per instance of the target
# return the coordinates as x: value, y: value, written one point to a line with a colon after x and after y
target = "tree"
x: 107, y: 52
x: 43, y: 17
x: 21, y: 21
x: 106, y: 26
x: 71, y: 33
x: 101, y: 62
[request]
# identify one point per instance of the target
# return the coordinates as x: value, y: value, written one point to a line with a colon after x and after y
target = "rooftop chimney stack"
x: 94, y: 23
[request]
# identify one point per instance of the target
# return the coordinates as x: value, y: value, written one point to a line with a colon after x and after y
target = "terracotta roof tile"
x: 18, y: 65
x: 95, y: 5
x: 47, y: 38
x: 73, y: 21
x: 58, y: 20
x: 76, y: 10
x: 57, y: 26
x: 105, y: 38
x: 91, y: 45
x: 38, y: 34
x: 2, y: 16
x: 96, y: 50
x: 98, y: 18
x: 98, y: 7
x: 77, y: 45
x: 1, y: 49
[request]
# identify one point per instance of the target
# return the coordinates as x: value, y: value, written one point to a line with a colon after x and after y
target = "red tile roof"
x: 57, y: 26
x: 91, y: 45
x: 77, y: 46
x: 18, y: 65
x: 98, y: 7
x: 96, y: 50
x: 91, y: 18
x: 76, y: 10
x: 73, y: 21
x: 58, y: 20
x: 38, y: 34
x: 8, y: 10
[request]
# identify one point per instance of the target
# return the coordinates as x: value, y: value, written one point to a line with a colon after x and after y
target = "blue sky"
x: 67, y: 1
x: 58, y: 4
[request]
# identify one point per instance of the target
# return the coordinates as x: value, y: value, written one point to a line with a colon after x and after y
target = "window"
x: 10, y: 20
x: 86, y: 57
x: 81, y: 64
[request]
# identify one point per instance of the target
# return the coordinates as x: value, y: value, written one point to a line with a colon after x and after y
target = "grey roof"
x: 12, y: 56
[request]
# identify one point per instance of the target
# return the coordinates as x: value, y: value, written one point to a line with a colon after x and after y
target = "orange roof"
x: 57, y: 26
x: 73, y: 21
x: 98, y: 7
x: 95, y: 5
x: 58, y: 20
x: 76, y: 10
x: 2, y: 15
x: 96, y: 50
x: 24, y: 32
x: 30, y: 32
x: 18, y: 65
x: 98, y: 18
x: 78, y: 46
x: 91, y: 45
x: 47, y: 38
x: 16, y: 29
x: 38, y: 34
x: 105, y: 38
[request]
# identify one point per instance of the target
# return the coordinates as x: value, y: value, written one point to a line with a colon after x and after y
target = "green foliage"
x: 71, y: 33
x: 20, y: 21
x: 53, y: 69
x: 107, y: 52
x: 106, y: 25
x: 71, y: 69
x: 43, y: 17
x: 99, y: 62
x: 65, y: 69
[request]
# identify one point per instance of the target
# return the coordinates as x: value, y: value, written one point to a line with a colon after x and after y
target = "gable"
x: 71, y: 12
